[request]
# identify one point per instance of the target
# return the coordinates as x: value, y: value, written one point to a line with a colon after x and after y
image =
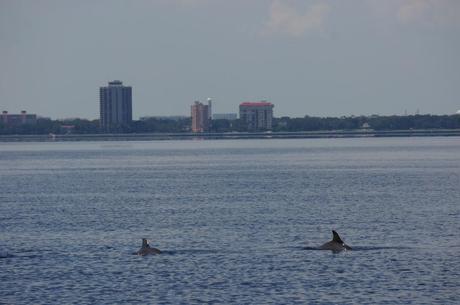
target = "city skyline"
x: 229, y: 114
x: 315, y: 57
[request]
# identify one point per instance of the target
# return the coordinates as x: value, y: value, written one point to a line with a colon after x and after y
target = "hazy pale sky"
x: 318, y: 57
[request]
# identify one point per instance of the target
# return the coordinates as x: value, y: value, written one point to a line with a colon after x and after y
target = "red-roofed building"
x: 257, y: 115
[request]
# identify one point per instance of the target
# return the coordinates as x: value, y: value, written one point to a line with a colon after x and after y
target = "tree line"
x: 374, y: 122
x: 284, y: 124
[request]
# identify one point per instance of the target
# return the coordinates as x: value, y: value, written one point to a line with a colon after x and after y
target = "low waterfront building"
x: 18, y: 119
x: 164, y: 117
x: 225, y: 116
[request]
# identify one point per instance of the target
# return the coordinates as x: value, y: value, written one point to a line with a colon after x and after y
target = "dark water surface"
x: 232, y: 217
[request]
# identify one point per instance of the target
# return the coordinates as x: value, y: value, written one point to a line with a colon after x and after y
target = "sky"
x: 316, y: 58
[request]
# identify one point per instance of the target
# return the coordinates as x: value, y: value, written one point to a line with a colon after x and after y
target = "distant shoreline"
x: 232, y: 135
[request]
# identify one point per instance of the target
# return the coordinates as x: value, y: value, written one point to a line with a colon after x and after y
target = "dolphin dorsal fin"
x: 336, y: 237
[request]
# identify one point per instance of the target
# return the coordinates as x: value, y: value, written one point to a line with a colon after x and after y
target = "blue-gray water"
x: 232, y: 218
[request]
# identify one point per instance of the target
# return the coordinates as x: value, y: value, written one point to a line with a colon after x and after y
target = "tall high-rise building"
x: 115, y: 105
x: 257, y: 116
x: 200, y: 117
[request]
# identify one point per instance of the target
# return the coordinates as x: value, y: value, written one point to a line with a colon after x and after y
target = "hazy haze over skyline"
x: 319, y: 58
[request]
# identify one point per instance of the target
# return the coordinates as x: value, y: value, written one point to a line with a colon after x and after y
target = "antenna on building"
x: 209, y: 107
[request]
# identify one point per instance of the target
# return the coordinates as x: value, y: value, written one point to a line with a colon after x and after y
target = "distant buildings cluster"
x: 116, y: 112
x: 115, y: 115
x: 255, y: 116
x: 115, y: 109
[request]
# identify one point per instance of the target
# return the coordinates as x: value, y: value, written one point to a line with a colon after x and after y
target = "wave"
x: 362, y: 248
x: 187, y: 251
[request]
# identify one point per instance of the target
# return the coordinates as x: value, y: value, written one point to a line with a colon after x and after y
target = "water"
x: 232, y: 218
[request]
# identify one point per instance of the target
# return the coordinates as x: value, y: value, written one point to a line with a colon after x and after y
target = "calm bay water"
x: 232, y: 217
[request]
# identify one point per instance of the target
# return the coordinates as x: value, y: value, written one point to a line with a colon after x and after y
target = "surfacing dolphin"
x: 146, y: 249
x: 336, y: 244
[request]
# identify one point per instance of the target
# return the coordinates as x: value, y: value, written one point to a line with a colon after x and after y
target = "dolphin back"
x: 336, y: 244
x: 146, y: 249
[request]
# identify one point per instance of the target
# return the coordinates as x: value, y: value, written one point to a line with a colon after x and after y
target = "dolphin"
x: 336, y: 244
x: 146, y: 249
